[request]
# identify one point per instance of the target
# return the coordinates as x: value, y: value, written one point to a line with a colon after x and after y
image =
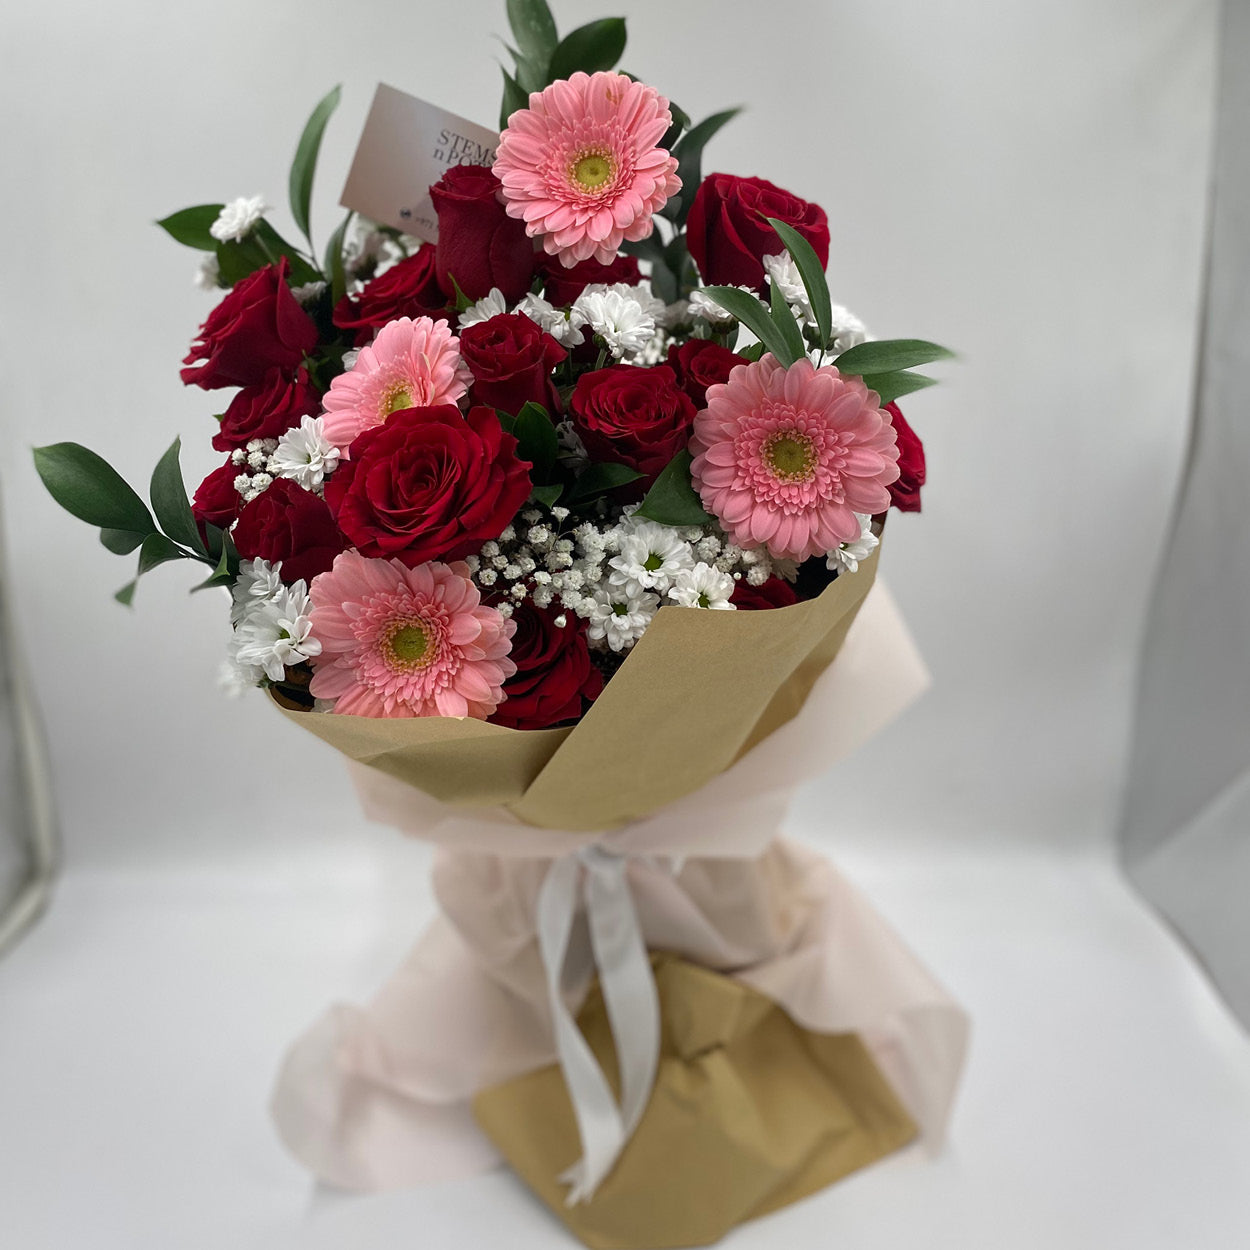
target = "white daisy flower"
x: 207, y: 274
x: 847, y: 557
x: 617, y: 318
x: 309, y: 293
x: 552, y: 319
x: 619, y: 619
x: 275, y: 634
x: 258, y: 582
x: 651, y: 556
x: 702, y: 587
x: 488, y: 306
x: 848, y: 330
x: 784, y: 274
x: 238, y: 219
x: 305, y: 455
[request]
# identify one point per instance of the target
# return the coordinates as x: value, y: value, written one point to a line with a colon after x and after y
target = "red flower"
x: 216, y: 501
x: 776, y: 592
x: 699, y: 363
x: 479, y: 245
x: 511, y: 359
x: 288, y: 523
x: 905, y: 493
x: 637, y: 416
x: 729, y: 237
x: 428, y: 485
x: 267, y: 410
x: 562, y: 286
x: 554, y: 677
x: 259, y: 326
x: 409, y: 289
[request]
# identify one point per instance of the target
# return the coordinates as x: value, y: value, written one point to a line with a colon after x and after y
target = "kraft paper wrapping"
x: 698, y: 691
x: 750, y: 1112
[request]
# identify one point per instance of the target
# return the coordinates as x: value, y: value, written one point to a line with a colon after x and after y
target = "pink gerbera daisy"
x: 397, y: 641
x: 411, y: 364
x: 583, y: 168
x: 785, y: 458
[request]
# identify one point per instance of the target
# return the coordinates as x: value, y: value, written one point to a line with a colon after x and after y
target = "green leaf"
x: 663, y: 282
x: 227, y: 564
x: 156, y: 550
x: 304, y: 166
x: 513, y: 98
x: 534, y: 29
x: 753, y: 315
x: 548, y: 496
x: 530, y: 75
x: 813, y: 274
x: 783, y: 319
x: 673, y: 499
x: 264, y: 246
x: 89, y: 487
x: 595, y: 46
x: 689, y: 153
x: 121, y: 542
x: 536, y: 440
x: 752, y: 353
x: 334, y: 265
x: 681, y: 121
x: 598, y: 479
x: 462, y: 301
x: 170, y: 503
x: 892, y: 386
x: 887, y: 355
x: 190, y: 226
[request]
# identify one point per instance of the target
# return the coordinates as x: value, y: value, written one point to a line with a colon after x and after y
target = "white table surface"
x: 1106, y: 1104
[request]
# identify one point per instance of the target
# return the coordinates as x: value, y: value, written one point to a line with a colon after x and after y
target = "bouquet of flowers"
x: 551, y: 503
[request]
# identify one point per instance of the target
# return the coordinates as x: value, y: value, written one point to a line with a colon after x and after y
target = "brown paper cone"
x: 750, y: 1112
x: 697, y: 692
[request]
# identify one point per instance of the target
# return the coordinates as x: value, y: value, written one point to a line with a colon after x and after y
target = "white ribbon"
x: 629, y: 995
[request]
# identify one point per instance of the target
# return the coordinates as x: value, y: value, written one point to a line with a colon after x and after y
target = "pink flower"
x: 582, y: 166
x: 411, y: 364
x: 397, y: 641
x: 784, y: 458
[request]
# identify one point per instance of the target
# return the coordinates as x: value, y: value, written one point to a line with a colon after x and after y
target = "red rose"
x: 267, y: 410
x: 554, y: 676
x: 699, y: 363
x: 562, y: 286
x: 479, y: 245
x: 905, y: 493
x: 638, y: 416
x: 776, y: 592
x: 216, y: 501
x: 409, y: 289
x: 428, y: 485
x: 511, y: 359
x: 288, y: 523
x: 729, y: 237
x: 259, y: 326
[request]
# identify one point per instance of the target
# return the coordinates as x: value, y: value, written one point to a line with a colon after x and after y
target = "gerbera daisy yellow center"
x: 396, y: 398
x: 593, y: 169
x: 790, y: 455
x: 408, y: 646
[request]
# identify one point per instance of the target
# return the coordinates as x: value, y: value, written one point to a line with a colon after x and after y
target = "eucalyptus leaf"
x: 598, y: 479
x: 673, y: 499
x: 170, y: 503
x: 888, y: 355
x: 536, y: 440
x: 595, y: 46
x: 514, y: 98
x: 334, y: 266
x: 784, y: 320
x: 534, y: 29
x: 689, y: 153
x: 813, y: 274
x: 88, y: 487
x: 753, y: 315
x: 304, y: 166
x: 191, y: 226
x: 892, y: 386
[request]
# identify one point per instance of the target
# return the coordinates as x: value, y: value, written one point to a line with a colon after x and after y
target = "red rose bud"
x: 554, y: 678
x: 511, y: 359
x: 216, y: 501
x: 776, y: 592
x: 698, y: 364
x: 905, y: 493
x: 259, y: 326
x: 287, y: 523
x: 408, y: 289
x: 728, y: 234
x: 637, y: 416
x: 562, y: 286
x: 479, y: 245
x: 267, y: 410
x: 428, y: 485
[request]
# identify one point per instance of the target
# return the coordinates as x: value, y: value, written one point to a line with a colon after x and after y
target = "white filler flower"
x: 784, y: 274
x: 552, y: 319
x: 238, y: 219
x: 207, y: 274
x: 305, y: 455
x: 703, y: 305
x: 702, y: 587
x: 847, y: 557
x: 492, y: 305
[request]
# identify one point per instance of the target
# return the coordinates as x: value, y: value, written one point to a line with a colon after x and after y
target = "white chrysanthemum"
x: 309, y: 293
x: 552, y: 319
x: 651, y: 556
x: 238, y: 218
x: 847, y: 557
x: 207, y: 274
x: 275, y: 634
x: 370, y: 250
x: 619, y: 319
x: 492, y: 305
x: 258, y: 583
x: 232, y: 681
x: 848, y: 330
x: 784, y: 274
x: 702, y: 587
x: 617, y: 618
x: 676, y: 314
x: 703, y: 305
x: 305, y: 455
x: 350, y: 356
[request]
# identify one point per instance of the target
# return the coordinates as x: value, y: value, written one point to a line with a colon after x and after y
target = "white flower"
x: 305, y: 455
x: 703, y: 305
x: 207, y: 274
x: 619, y: 319
x: 238, y: 219
x: 676, y: 314
x: 619, y: 619
x: 552, y: 319
x: 848, y: 330
x: 309, y: 293
x: 350, y: 356
x: 232, y: 681
x: 651, y: 556
x: 257, y: 583
x: 371, y: 249
x: 488, y: 306
x: 784, y: 274
x: 274, y: 634
x: 702, y: 587
x: 847, y: 557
